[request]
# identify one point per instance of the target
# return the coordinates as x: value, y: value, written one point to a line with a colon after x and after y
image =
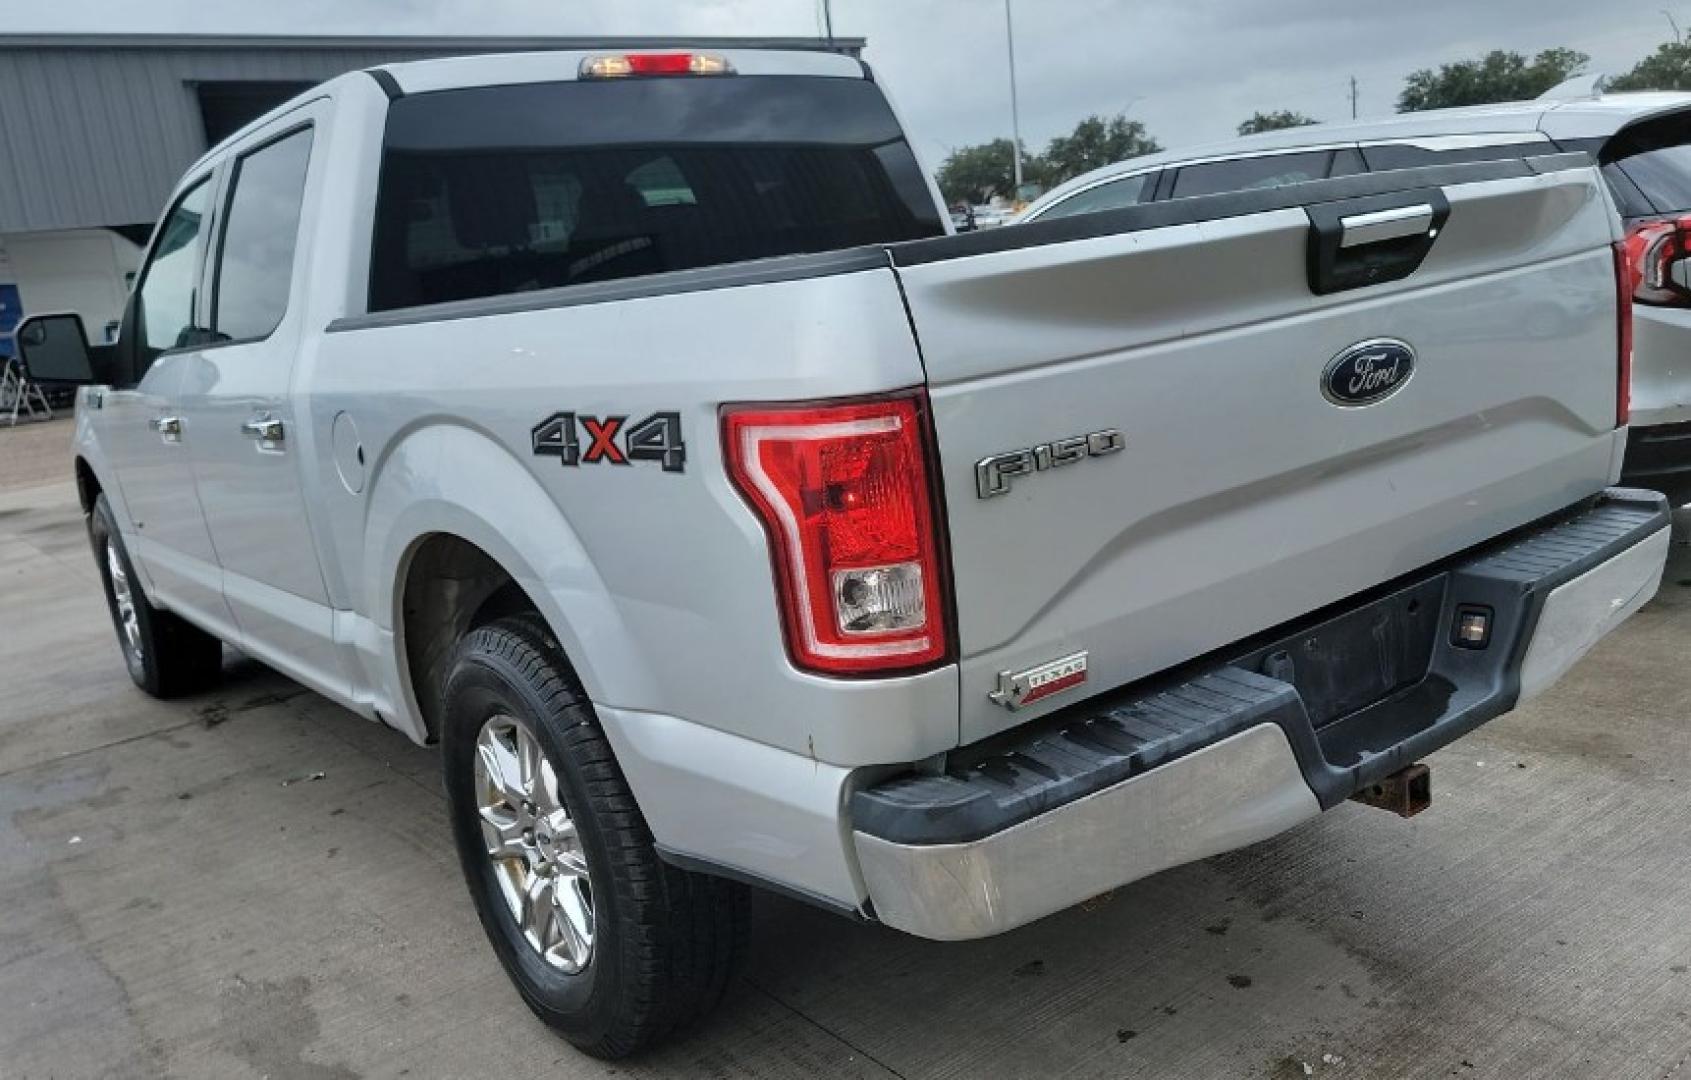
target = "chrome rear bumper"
x: 1241, y: 790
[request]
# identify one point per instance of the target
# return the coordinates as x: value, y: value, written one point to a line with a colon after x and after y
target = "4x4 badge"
x: 1017, y: 689
x: 656, y: 438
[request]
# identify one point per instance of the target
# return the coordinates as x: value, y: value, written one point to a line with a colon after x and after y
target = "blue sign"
x: 11, y: 311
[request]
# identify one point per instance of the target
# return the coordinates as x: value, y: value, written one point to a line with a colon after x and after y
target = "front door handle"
x: 168, y: 427
x: 264, y: 428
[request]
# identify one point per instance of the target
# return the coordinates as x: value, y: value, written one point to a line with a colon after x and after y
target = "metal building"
x: 96, y: 129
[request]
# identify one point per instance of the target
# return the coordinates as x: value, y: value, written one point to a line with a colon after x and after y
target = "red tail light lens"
x: 1624, y: 287
x: 1656, y: 251
x: 845, y: 494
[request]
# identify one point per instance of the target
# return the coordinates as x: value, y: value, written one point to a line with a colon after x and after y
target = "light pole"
x: 1015, y: 108
x: 828, y: 18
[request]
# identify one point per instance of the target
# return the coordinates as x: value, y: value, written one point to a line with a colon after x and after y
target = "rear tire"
x: 663, y: 944
x: 166, y: 655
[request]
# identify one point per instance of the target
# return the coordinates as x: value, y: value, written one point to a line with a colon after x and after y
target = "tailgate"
x: 1266, y: 468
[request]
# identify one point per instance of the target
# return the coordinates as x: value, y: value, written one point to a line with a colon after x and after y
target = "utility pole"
x: 1353, y: 97
x: 1015, y: 108
x: 828, y: 18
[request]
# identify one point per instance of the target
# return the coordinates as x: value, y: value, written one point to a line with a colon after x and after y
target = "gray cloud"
x: 1191, y: 69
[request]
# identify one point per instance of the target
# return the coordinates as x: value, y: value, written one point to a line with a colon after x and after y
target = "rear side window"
x: 488, y: 191
x: 1247, y: 174
x: 1407, y: 156
x: 1128, y: 191
x: 255, y: 264
x: 1655, y: 158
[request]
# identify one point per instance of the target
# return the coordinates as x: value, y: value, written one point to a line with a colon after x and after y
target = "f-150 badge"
x: 1017, y: 689
x: 994, y: 474
x: 656, y: 438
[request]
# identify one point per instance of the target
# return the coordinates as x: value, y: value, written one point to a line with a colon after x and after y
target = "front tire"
x: 606, y: 943
x: 166, y: 655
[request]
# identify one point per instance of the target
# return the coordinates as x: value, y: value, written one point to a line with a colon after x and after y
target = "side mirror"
x: 54, y: 349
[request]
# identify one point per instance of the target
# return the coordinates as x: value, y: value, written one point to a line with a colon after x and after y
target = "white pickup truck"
x: 629, y: 425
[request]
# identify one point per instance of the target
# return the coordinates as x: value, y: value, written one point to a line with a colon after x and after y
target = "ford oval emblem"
x: 1367, y: 372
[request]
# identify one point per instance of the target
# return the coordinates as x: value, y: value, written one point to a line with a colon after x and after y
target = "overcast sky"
x: 1191, y: 69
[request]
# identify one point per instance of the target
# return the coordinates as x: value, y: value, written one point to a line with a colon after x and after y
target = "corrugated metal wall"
x: 99, y: 136
x: 96, y: 131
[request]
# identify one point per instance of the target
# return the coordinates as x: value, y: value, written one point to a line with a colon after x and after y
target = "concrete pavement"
x: 180, y: 896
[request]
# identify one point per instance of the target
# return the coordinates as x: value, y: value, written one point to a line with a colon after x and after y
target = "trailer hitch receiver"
x: 1405, y: 793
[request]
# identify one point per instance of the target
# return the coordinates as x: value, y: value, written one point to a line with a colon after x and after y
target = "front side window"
x: 487, y: 191
x: 255, y: 262
x: 1252, y: 173
x: 168, y: 283
x: 1128, y: 191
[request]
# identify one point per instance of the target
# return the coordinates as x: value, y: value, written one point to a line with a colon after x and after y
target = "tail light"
x: 624, y: 65
x: 1654, y: 264
x: 845, y: 492
x: 1624, y: 289
x: 1656, y: 251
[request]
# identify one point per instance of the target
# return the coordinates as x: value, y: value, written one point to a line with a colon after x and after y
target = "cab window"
x: 255, y: 260
x: 490, y: 191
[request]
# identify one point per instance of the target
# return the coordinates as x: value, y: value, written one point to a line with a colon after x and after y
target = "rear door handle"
x: 1392, y: 224
x: 264, y: 428
x: 168, y: 427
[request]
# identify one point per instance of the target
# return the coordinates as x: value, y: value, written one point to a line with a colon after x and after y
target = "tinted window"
x: 1403, y: 156
x: 1128, y: 191
x: 255, y: 263
x: 168, y: 284
x: 1247, y: 174
x: 1347, y: 162
x: 493, y: 190
x: 1656, y: 158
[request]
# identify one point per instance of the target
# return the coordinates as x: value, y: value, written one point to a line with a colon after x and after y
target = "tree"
x: 1669, y: 68
x: 1275, y: 121
x: 976, y: 173
x: 1094, y: 143
x: 1497, y: 76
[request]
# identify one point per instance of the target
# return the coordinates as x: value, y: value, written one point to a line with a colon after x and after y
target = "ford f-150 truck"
x: 629, y: 425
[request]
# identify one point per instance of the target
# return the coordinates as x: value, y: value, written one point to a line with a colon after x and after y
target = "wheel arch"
x: 88, y: 486
x: 458, y: 532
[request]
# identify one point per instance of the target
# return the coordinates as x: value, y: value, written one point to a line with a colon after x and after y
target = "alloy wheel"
x: 536, y: 850
x: 123, y: 595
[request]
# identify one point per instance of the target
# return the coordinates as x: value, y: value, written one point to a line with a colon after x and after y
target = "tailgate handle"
x: 1354, y: 243
x: 1378, y: 225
